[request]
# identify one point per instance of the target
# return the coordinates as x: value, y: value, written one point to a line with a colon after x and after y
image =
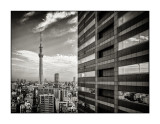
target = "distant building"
x: 63, y: 106
x: 14, y: 86
x: 74, y: 79
x: 35, y: 101
x: 60, y: 95
x: 56, y: 77
x: 46, y: 103
x: 45, y: 90
x: 13, y: 107
x: 55, y: 92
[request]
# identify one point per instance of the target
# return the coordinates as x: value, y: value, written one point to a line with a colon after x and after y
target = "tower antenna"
x: 40, y: 37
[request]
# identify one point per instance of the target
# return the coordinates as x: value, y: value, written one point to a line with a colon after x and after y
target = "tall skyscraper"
x: 56, y: 77
x: 40, y: 61
x: 113, y: 62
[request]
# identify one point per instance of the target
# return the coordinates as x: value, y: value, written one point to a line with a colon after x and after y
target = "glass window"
x: 86, y: 28
x: 106, y: 72
x: 88, y: 90
x: 87, y: 74
x: 92, y: 107
x: 128, y: 16
x: 134, y: 97
x: 144, y: 67
x: 144, y: 36
x: 132, y: 69
x: 82, y: 18
x: 86, y: 59
x: 139, y: 38
x: 91, y: 40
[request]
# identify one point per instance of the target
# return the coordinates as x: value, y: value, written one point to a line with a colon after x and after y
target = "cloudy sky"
x: 59, y: 35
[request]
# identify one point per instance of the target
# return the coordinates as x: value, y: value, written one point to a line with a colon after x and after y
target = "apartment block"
x: 113, y: 62
x: 46, y: 103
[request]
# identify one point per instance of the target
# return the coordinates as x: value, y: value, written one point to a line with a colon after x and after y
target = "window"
x: 134, y: 97
x: 144, y: 36
x: 139, y: 38
x: 91, y: 40
x: 128, y: 16
x: 86, y: 59
x: 86, y: 28
x: 106, y: 72
x: 133, y: 69
x: 108, y: 31
x: 102, y: 14
x: 105, y: 52
x: 82, y: 18
x: 106, y: 93
x: 88, y: 90
x: 87, y: 74
x: 92, y: 107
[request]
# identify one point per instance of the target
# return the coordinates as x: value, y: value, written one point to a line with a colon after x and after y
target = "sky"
x: 59, y: 39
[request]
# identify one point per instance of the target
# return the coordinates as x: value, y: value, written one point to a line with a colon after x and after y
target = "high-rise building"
x: 40, y: 61
x: 113, y: 61
x: 56, y: 77
x: 35, y: 100
x: 46, y: 103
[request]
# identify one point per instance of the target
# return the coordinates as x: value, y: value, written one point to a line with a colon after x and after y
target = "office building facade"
x: 113, y: 62
x: 46, y: 103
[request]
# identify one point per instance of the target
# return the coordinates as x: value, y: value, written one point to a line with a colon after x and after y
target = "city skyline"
x: 59, y: 37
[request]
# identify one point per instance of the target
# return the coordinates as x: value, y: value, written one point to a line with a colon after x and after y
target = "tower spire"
x: 40, y: 38
x: 40, y: 61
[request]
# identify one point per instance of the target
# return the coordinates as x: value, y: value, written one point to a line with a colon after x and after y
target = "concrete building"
x: 113, y: 62
x: 46, y: 90
x: 46, y: 103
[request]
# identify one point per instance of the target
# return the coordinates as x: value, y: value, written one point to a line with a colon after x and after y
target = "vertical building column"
x: 115, y: 64
x: 96, y: 75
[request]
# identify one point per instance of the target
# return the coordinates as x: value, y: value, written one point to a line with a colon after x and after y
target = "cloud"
x: 73, y: 20
x: 51, y: 18
x: 26, y: 17
x: 51, y: 64
x: 70, y: 41
x: 73, y: 29
x: 29, y: 55
x: 56, y: 32
x: 17, y: 59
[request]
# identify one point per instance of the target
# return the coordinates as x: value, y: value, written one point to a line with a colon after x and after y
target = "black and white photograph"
x: 80, y: 62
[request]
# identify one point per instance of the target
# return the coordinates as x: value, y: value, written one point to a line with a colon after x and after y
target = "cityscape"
x: 80, y: 62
